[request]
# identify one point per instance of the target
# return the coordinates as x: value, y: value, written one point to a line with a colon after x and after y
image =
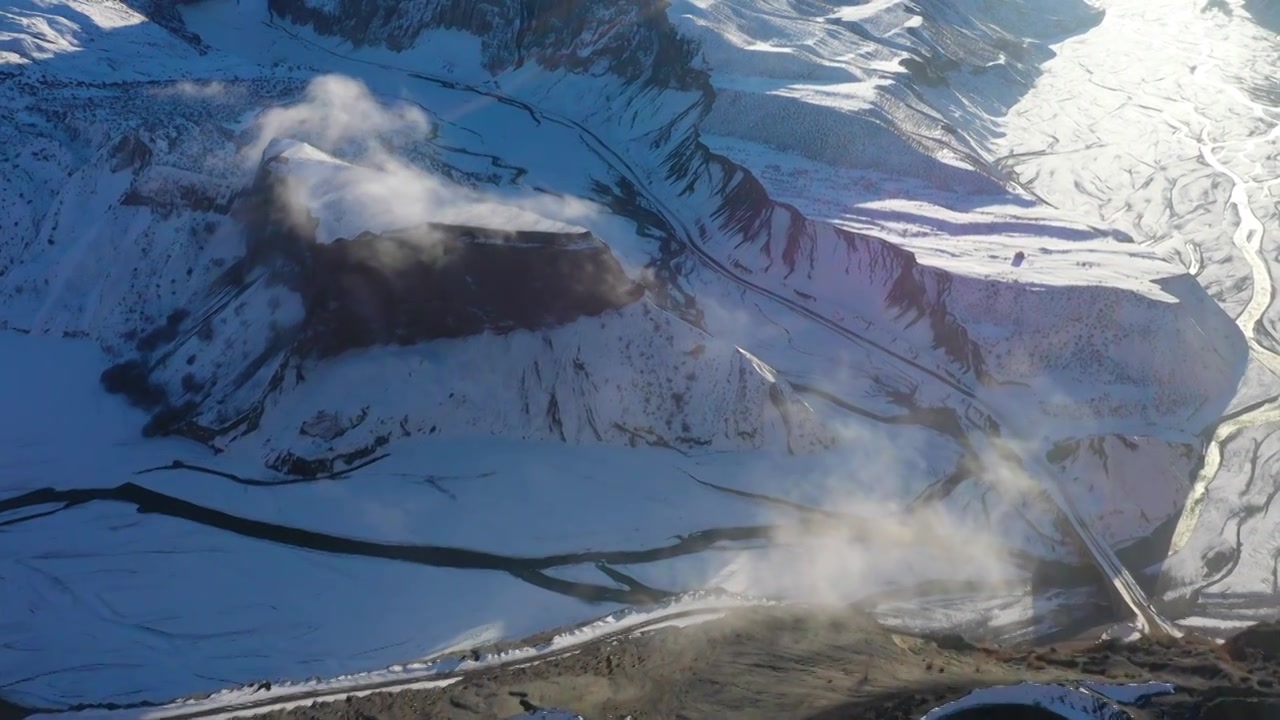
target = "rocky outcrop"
x: 765, y: 237
x: 633, y: 41
x: 430, y: 281
x: 636, y: 376
x: 1260, y: 642
x: 442, y: 281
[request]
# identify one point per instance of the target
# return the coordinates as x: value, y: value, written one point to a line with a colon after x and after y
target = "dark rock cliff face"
x: 443, y: 281
x: 432, y: 281
x: 205, y: 370
x: 785, y: 237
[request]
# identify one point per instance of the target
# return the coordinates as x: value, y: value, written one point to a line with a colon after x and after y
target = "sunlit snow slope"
x: 1174, y: 137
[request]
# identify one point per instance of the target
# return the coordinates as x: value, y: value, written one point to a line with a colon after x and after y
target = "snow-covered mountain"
x: 520, y: 326
x: 778, y: 259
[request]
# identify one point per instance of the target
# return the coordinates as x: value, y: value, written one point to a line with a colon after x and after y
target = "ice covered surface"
x: 34, y: 30
x: 1129, y: 693
x: 1071, y: 269
x: 778, y: 63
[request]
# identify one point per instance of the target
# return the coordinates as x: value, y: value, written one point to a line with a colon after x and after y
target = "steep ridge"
x: 652, y: 97
x: 639, y: 63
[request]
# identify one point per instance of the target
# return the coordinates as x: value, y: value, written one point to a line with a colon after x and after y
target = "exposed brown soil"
x: 787, y: 663
x: 9, y: 711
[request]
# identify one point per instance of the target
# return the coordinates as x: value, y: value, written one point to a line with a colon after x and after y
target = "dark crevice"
x: 943, y: 420
x: 37, y: 516
x: 593, y: 593
x: 943, y: 488
x: 529, y: 569
x: 252, y: 482
x: 799, y: 507
x: 630, y: 582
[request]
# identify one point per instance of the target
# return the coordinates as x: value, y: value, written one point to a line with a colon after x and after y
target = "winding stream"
x: 1248, y: 239
x: 1153, y: 104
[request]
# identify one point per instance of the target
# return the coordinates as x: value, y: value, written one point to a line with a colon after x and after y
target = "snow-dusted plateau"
x: 345, y: 338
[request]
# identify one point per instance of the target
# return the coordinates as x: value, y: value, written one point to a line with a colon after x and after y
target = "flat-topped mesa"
x: 446, y: 281
x: 429, y: 280
x: 340, y: 257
